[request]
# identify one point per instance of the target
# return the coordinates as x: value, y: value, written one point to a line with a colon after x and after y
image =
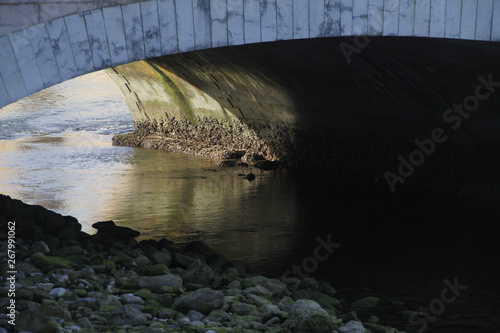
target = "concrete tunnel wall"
x: 46, y: 50
x: 301, y: 101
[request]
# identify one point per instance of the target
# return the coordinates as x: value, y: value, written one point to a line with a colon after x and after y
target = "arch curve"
x: 51, y: 52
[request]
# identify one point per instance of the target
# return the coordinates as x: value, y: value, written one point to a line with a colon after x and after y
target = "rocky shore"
x: 70, y: 281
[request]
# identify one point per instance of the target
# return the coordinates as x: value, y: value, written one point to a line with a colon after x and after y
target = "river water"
x: 55, y: 151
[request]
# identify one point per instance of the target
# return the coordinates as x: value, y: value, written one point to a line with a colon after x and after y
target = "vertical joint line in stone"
x: 106, y: 34
x: 414, y: 16
x: 8, y: 96
x: 176, y: 27
x: 309, y: 18
x: 142, y: 30
x: 399, y: 13
x: 368, y: 16
x: 491, y: 24
x: 227, y: 24
x: 18, y: 66
x: 475, y: 25
x: 460, y: 19
x: 34, y: 53
x: 192, y: 20
x: 159, y: 25
x: 430, y: 18
x: 210, y: 23
x: 383, y: 17
x: 70, y: 45
x: 276, y: 17
x: 52, y: 47
x: 126, y: 40
x: 260, y: 18
x: 322, y: 26
x: 88, y: 38
x: 244, y: 25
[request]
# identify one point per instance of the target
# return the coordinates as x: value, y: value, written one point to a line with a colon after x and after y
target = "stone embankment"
x: 70, y: 281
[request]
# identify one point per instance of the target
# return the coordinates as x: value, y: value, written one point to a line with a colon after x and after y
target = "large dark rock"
x: 267, y: 165
x: 202, y: 300
x: 108, y: 229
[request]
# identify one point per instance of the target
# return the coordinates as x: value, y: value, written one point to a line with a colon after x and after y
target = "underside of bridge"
x: 391, y: 110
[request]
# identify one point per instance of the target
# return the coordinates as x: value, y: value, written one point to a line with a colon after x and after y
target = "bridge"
x: 372, y: 87
x: 43, y: 43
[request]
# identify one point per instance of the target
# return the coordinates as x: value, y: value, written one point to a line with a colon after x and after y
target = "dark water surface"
x: 55, y: 150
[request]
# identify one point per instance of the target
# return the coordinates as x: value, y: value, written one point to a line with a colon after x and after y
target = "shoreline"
x: 68, y: 280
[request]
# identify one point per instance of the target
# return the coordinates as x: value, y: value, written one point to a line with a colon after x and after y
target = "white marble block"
x: 268, y: 20
x: 113, y: 21
x: 284, y: 17
x: 40, y: 41
x: 26, y: 61
x: 132, y: 22
x: 251, y: 14
x: 9, y: 70
x: 63, y: 52
x: 168, y: 27
x: 218, y: 14
x: 185, y: 26
x: 235, y: 22
x: 346, y: 17
x: 151, y: 29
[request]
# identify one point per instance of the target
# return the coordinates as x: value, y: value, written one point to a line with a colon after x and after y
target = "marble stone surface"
x: 300, y: 19
x: 26, y: 60
x: 360, y: 17
x: 9, y: 70
x: 115, y: 31
x: 484, y: 16
x: 219, y: 30
x: 185, y: 25
x: 346, y: 17
x: 437, y: 19
x: 132, y: 22
x: 251, y: 17
x: 168, y: 27
x: 235, y: 22
x: 332, y: 18
x: 317, y: 18
x: 61, y: 45
x: 406, y: 17
x: 383, y: 17
x: 98, y: 39
x: 268, y: 20
x: 468, y: 22
x: 284, y: 24
x: 79, y: 41
x: 202, y: 24
x: 453, y: 18
x: 151, y: 28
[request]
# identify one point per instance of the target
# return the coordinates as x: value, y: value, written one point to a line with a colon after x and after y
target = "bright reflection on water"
x: 55, y: 151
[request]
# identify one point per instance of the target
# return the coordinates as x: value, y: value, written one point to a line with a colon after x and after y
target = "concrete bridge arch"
x: 50, y: 49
